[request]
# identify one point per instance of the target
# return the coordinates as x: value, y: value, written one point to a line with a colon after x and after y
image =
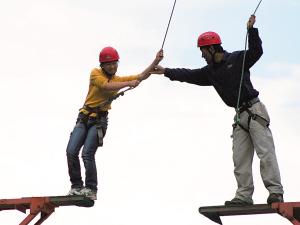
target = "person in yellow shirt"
x: 91, y: 123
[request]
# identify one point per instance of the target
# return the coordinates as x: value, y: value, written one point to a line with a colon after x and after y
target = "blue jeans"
x: 84, y: 134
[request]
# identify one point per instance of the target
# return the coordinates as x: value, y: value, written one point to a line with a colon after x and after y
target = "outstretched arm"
x: 158, y: 70
x: 116, y: 86
x: 146, y: 73
x: 195, y: 76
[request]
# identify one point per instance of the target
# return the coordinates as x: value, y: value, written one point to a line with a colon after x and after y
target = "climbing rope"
x: 114, y: 97
x: 108, y: 101
x: 162, y: 46
x: 237, y: 117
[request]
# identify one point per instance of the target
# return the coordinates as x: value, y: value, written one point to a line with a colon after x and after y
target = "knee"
x: 71, y: 155
x: 74, y: 146
x: 71, y: 150
x: 88, y: 155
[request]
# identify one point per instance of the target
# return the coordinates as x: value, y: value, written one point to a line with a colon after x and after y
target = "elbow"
x: 257, y: 53
x: 140, y: 77
x: 260, y: 53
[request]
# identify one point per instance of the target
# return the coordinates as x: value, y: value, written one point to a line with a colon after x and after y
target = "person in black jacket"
x: 251, y: 128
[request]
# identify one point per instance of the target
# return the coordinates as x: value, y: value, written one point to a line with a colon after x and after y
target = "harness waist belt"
x: 96, y: 110
x: 249, y: 104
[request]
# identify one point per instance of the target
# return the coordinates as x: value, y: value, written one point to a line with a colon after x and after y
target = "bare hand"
x: 251, y: 21
x: 158, y: 70
x: 133, y: 83
x: 159, y: 55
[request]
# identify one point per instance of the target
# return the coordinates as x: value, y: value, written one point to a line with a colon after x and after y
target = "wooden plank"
x: 68, y: 200
x: 238, y: 210
x: 214, y: 212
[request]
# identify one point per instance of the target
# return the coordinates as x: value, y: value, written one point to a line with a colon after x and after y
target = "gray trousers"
x: 259, y: 138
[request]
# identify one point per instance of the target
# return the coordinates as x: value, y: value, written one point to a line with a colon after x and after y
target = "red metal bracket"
x: 289, y: 210
x: 43, y: 205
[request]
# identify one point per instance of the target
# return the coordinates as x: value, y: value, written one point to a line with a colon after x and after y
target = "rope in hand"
x: 237, y: 117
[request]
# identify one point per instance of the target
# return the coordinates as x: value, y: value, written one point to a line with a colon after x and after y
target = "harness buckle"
x: 246, y: 105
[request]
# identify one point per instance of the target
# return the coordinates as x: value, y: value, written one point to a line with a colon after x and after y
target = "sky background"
x: 168, y: 148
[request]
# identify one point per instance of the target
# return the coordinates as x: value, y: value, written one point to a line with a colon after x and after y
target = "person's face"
x: 110, y: 67
x: 207, y: 54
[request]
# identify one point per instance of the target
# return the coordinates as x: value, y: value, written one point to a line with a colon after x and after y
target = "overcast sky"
x: 168, y: 148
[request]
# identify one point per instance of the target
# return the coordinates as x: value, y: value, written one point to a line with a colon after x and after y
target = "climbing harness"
x: 100, y: 121
x: 237, y: 116
x: 246, y: 107
x: 162, y: 46
x: 262, y: 121
x: 101, y: 116
x: 98, y: 109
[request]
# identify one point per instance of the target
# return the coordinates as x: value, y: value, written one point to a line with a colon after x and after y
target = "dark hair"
x: 102, y: 64
x: 218, y: 48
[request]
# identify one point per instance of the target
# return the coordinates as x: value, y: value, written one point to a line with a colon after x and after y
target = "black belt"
x: 246, y: 105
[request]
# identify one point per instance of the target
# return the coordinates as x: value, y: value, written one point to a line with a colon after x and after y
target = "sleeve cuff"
x: 167, y: 72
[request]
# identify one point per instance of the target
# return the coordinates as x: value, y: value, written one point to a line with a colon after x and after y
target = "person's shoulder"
x: 252, y: 29
x: 235, y: 54
x: 97, y: 72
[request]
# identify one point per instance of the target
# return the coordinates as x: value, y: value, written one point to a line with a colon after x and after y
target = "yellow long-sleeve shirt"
x: 96, y: 95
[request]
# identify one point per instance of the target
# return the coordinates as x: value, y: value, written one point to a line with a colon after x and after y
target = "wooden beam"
x: 289, y: 210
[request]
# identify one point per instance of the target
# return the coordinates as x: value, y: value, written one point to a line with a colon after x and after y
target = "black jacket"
x: 225, y: 77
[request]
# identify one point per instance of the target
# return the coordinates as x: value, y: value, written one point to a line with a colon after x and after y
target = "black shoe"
x: 237, y: 202
x: 274, y: 197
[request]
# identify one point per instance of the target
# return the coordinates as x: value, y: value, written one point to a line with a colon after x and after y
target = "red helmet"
x: 209, y: 38
x: 108, y: 54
